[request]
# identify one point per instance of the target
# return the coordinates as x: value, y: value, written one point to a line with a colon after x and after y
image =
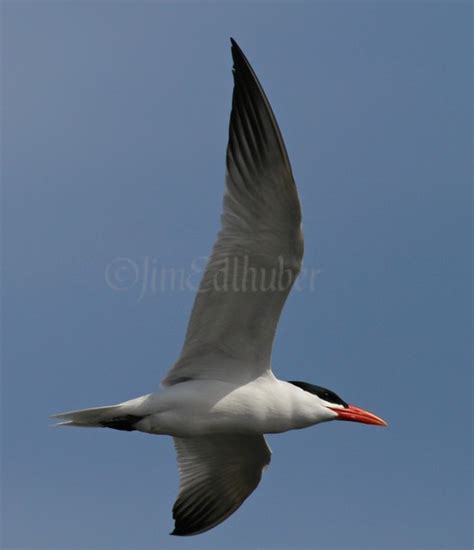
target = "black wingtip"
x: 247, y: 89
x: 177, y: 532
x: 237, y: 51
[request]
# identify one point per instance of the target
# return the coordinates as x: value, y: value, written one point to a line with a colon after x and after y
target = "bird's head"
x: 343, y: 410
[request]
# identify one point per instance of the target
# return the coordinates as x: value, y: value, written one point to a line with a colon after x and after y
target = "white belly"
x: 199, y: 407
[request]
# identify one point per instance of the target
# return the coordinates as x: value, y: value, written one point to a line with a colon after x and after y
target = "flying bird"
x: 221, y: 397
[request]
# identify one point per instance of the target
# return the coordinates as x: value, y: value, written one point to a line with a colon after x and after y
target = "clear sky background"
x: 115, y: 125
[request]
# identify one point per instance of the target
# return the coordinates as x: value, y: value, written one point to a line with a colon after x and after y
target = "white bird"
x: 221, y: 396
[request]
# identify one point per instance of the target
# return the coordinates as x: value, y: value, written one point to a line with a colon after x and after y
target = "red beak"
x: 354, y: 414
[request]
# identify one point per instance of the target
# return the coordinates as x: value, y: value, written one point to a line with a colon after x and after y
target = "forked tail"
x: 99, y: 417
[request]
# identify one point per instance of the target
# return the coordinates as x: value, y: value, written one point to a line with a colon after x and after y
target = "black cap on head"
x: 322, y: 393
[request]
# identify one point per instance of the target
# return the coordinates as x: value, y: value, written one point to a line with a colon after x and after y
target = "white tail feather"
x: 88, y: 418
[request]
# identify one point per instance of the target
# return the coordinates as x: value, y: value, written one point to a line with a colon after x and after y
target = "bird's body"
x: 221, y: 396
x: 203, y: 407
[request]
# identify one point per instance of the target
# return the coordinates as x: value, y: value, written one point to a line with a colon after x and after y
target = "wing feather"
x: 217, y: 473
x: 258, y: 252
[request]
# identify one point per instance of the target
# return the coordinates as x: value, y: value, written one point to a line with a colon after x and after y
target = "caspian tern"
x: 221, y: 396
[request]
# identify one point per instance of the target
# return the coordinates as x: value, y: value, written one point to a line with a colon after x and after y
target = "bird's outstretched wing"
x: 217, y: 473
x: 258, y: 252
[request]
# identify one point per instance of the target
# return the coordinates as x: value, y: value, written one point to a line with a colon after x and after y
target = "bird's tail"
x: 98, y: 417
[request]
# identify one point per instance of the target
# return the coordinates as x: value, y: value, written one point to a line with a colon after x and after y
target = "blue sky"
x: 114, y: 132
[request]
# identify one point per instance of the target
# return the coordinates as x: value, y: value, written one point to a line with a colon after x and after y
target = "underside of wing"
x: 259, y: 249
x: 217, y: 473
